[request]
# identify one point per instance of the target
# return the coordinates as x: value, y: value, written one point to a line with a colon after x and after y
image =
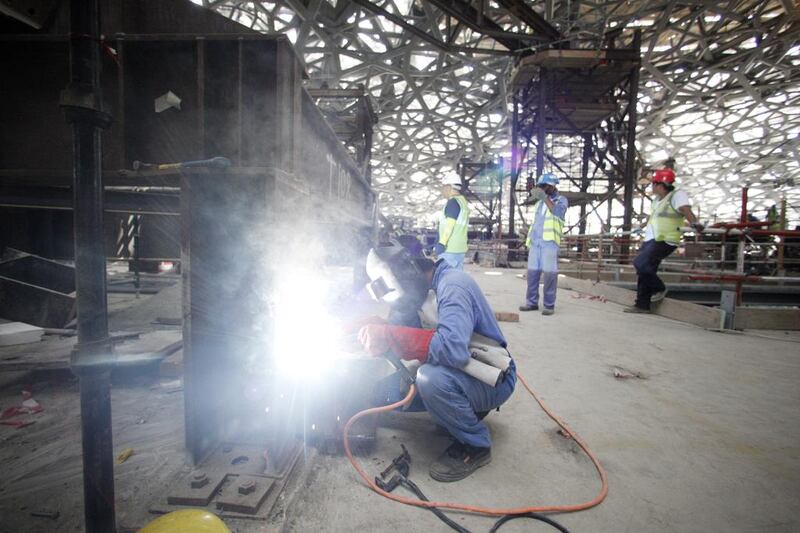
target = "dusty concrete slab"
x: 706, y: 441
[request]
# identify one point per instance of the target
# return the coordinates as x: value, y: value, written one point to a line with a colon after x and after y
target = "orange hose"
x: 490, y: 511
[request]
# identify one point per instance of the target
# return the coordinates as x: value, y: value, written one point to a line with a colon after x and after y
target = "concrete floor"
x: 707, y: 441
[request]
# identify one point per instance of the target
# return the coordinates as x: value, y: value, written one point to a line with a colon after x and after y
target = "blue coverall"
x: 543, y: 255
x: 448, y: 394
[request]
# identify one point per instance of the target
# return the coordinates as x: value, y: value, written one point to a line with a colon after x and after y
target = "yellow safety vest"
x: 552, y: 227
x: 666, y: 220
x: 773, y: 219
x: 457, y: 243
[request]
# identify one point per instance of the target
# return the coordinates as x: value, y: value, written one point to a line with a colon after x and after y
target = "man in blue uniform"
x: 544, y: 240
x: 455, y: 400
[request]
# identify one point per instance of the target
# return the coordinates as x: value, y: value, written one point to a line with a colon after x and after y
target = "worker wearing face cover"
x: 456, y: 401
x: 452, y: 242
x: 544, y: 239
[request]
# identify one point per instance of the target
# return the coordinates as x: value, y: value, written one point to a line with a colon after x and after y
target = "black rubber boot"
x: 459, y: 461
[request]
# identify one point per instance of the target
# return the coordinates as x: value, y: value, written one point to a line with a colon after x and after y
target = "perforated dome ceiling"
x: 719, y: 88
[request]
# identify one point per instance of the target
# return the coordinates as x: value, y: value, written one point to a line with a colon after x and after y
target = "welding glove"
x: 406, y: 343
x: 438, y: 249
x: 353, y: 326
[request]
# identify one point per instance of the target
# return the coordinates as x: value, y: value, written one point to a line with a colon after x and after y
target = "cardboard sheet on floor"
x: 699, y: 315
x: 14, y: 333
x: 53, y: 352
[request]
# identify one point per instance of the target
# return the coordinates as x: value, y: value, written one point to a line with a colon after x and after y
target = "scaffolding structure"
x: 574, y: 114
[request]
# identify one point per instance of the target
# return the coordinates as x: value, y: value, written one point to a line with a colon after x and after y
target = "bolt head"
x: 246, y: 487
x: 198, y: 479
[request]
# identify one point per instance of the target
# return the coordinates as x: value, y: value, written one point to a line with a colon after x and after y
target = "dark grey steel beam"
x: 366, y: 4
x: 467, y: 15
x: 113, y: 201
x: 522, y: 11
x: 425, y: 36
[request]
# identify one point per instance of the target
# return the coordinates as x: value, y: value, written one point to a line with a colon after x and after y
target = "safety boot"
x: 459, y: 461
x: 659, y: 296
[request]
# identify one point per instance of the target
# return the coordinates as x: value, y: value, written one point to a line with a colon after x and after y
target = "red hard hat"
x: 664, y: 175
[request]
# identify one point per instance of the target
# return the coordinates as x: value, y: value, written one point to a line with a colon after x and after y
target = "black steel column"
x: 630, y: 150
x: 499, y: 169
x: 92, y: 357
x: 512, y: 200
x: 587, y: 154
x: 540, y: 124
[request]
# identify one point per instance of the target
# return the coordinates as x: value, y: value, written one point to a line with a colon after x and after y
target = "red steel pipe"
x: 779, y: 233
x: 739, y: 225
x: 725, y: 277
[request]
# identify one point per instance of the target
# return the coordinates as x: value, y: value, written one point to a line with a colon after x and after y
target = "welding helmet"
x: 396, y: 277
x: 664, y: 175
x: 548, y: 179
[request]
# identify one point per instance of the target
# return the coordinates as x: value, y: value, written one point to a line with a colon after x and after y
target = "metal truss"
x: 719, y: 89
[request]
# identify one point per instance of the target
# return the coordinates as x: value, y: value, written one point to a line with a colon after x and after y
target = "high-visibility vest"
x: 552, y: 226
x: 666, y: 220
x: 457, y: 243
x: 773, y: 219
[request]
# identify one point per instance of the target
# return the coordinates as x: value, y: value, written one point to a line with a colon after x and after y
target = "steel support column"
x: 630, y: 149
x: 91, y: 359
x: 587, y: 154
x: 515, y: 164
x: 540, y: 123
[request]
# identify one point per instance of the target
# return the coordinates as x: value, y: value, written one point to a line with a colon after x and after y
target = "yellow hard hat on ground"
x: 187, y: 521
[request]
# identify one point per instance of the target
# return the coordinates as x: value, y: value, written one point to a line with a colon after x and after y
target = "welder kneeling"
x: 455, y: 399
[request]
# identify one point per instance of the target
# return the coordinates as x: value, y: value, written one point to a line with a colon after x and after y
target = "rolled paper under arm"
x: 489, y: 351
x: 493, y: 356
x: 483, y: 372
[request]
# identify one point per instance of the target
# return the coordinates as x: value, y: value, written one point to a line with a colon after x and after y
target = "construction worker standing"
x: 544, y: 239
x: 773, y: 218
x: 452, y: 243
x: 662, y: 235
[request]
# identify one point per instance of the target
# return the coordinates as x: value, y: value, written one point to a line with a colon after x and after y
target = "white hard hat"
x: 451, y: 178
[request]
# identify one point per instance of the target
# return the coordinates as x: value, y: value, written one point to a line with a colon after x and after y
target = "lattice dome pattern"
x: 719, y: 88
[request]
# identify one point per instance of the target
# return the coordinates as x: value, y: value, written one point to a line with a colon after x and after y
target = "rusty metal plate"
x: 248, y: 459
x: 187, y: 490
x: 244, y: 494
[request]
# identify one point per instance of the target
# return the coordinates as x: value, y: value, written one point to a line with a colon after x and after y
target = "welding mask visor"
x: 395, y: 278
